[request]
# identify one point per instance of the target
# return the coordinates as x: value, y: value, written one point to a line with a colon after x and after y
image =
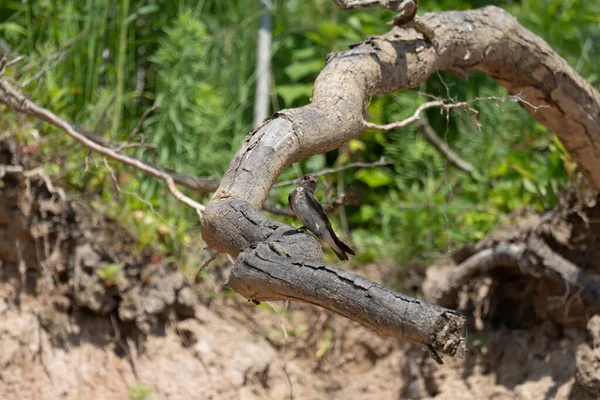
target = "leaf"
x: 325, y: 343
x: 357, y: 145
x: 529, y: 186
x: 367, y: 212
x: 147, y: 9
x: 305, y: 53
x: 373, y: 177
x: 12, y: 29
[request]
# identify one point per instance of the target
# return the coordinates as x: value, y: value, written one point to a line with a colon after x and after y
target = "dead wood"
x: 488, y: 40
x: 264, y: 274
x: 533, y: 256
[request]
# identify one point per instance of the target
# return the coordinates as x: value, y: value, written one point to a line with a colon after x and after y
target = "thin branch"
x: 393, y: 5
x: 211, y: 259
x: 48, y: 67
x: 277, y: 210
x: 18, y: 102
x: 327, y: 171
x: 447, y: 106
x: 138, y: 126
x: 113, y: 176
x: 39, y: 172
x: 442, y: 147
x: 345, y: 199
x: 15, y: 60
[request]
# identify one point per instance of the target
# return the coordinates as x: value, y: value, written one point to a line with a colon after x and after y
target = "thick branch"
x: 534, y: 257
x: 262, y: 274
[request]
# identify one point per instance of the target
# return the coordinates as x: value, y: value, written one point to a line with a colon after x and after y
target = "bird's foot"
x: 302, y: 229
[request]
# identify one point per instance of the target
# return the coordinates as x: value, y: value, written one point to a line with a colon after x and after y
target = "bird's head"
x: 308, y: 182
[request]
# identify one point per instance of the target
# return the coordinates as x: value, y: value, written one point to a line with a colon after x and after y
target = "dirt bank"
x: 84, y: 313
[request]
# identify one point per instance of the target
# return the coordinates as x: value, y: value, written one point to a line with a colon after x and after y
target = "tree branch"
x: 533, y: 257
x: 16, y: 101
x: 444, y: 105
x: 265, y: 274
x: 488, y: 40
x: 442, y: 147
x: 328, y: 171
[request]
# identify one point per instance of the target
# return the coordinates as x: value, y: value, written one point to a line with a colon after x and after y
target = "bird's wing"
x: 290, y: 202
x: 314, y: 202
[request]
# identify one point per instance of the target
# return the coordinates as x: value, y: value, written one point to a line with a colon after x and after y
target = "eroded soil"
x: 65, y: 333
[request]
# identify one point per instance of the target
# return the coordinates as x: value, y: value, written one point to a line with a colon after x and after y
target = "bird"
x: 309, y: 211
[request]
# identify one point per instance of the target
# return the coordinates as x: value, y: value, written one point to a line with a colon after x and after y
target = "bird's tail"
x: 342, y: 248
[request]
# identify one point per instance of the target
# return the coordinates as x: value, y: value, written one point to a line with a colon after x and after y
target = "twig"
x: 357, y: 4
x: 122, y: 344
x: 442, y: 147
x: 56, y: 50
x: 275, y: 209
x: 113, y: 176
x: 138, y: 126
x: 343, y: 200
x: 48, y: 67
x: 446, y: 106
x: 38, y: 171
x: 14, y: 61
x: 206, y: 263
x: 15, y: 100
x: 326, y: 171
x: 3, y: 64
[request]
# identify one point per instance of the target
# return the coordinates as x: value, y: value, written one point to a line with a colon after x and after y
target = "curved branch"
x: 488, y: 40
x: 533, y: 256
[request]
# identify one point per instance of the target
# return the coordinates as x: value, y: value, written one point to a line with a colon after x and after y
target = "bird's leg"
x: 302, y: 229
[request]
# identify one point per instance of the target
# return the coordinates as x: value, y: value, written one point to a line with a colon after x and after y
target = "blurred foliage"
x: 102, y: 64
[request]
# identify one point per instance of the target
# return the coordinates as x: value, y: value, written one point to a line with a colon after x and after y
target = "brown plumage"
x: 309, y: 211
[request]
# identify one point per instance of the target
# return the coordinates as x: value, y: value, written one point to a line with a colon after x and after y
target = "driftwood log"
x: 276, y: 262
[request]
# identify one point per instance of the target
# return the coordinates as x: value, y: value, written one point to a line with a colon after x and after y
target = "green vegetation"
x: 111, y: 274
x: 102, y: 66
x: 140, y: 391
